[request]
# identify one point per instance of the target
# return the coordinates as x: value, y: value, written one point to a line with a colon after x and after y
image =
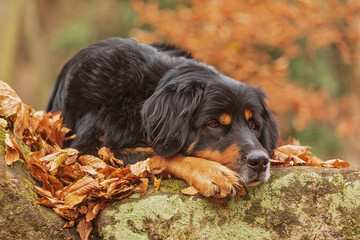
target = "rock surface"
x: 20, y: 216
x: 297, y: 203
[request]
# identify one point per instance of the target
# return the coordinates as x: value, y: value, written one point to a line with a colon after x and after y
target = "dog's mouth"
x: 254, y: 178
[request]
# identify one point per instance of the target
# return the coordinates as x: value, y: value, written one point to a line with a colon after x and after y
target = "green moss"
x: 297, y: 203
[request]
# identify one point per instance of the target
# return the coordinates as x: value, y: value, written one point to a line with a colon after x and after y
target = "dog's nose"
x: 257, y: 160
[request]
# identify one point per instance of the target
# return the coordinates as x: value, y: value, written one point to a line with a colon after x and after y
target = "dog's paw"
x: 210, y: 178
x: 216, y: 180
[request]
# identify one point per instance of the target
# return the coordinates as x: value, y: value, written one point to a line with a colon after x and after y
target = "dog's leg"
x: 133, y: 155
x: 210, y: 178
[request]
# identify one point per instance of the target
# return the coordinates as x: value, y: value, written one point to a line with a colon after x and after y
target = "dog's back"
x: 101, y: 89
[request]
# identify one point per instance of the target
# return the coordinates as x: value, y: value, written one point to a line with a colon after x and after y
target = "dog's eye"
x: 253, y: 125
x: 213, y: 124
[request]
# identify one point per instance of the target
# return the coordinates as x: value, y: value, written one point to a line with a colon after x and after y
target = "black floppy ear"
x: 167, y: 115
x: 270, y: 134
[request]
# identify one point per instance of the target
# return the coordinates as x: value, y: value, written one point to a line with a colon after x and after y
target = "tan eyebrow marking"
x: 225, y: 119
x: 248, y: 114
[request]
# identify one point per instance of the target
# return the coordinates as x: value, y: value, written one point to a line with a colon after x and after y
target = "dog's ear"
x: 167, y: 115
x: 270, y: 134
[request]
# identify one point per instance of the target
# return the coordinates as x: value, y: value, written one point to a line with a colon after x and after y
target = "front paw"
x: 210, y: 178
x: 216, y: 181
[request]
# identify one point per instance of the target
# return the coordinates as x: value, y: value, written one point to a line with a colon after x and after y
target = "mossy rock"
x: 20, y: 216
x: 297, y: 203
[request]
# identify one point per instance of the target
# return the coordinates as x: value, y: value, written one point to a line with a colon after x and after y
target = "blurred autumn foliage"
x: 305, y: 54
x: 255, y: 42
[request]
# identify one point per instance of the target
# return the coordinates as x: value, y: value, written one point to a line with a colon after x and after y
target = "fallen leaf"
x: 292, y: 149
x: 336, y: 163
x: 53, y: 161
x: 140, y: 168
x: 94, y: 209
x: 143, y: 186
x: 11, y: 104
x: 157, y: 182
x: 69, y: 224
x: 3, y: 123
x: 93, y: 161
x: 84, y: 228
x: 13, y: 150
x: 190, y: 191
x: 11, y: 155
x: 109, y: 157
x: 73, y: 199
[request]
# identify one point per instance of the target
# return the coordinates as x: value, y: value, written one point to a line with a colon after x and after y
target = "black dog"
x: 200, y: 123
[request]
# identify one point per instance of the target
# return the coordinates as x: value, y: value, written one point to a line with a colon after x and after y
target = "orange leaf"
x: 84, y: 228
x: 336, y: 163
x: 190, y: 191
x: 143, y: 186
x: 157, y: 182
x: 11, y: 155
x: 93, y: 161
x: 11, y: 104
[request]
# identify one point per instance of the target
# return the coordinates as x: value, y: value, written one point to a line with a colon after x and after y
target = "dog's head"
x: 199, y: 112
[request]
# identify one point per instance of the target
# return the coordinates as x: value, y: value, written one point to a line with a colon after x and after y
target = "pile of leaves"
x: 294, y: 154
x: 78, y: 186
x: 75, y: 187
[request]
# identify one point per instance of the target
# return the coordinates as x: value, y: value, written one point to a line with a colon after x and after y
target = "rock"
x: 20, y: 216
x: 297, y: 203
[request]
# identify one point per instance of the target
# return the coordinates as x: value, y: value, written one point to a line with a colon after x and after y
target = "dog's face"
x: 201, y: 113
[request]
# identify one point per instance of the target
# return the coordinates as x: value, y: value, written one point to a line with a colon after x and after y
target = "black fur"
x: 120, y: 93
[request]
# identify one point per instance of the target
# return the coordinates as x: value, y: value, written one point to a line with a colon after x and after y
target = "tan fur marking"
x: 225, y: 119
x: 228, y: 158
x: 188, y: 150
x: 248, y: 114
x: 138, y: 149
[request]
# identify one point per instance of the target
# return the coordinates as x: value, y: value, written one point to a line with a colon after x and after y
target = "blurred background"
x: 304, y: 53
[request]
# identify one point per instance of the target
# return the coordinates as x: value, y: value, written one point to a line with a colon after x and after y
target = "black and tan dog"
x: 155, y: 100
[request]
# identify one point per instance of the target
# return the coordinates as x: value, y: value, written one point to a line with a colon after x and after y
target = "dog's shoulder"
x: 172, y: 50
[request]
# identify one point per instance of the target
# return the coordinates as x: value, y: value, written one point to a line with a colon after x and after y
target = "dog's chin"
x: 252, y: 178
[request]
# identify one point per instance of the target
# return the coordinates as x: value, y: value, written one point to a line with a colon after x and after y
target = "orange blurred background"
x: 305, y: 54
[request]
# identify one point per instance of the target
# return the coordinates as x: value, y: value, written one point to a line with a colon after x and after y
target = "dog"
x: 156, y: 100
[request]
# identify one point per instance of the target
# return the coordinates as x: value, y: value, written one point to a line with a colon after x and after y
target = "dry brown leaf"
x: 190, y: 191
x: 73, y: 199
x: 94, y: 209
x: 157, y: 182
x: 13, y: 150
x: 3, y: 123
x: 69, y: 214
x: 85, y: 185
x: 11, y: 155
x: 53, y: 161
x: 43, y: 192
x: 50, y: 202
x: 84, y: 228
x: 93, y: 161
x: 69, y: 224
x: 11, y: 104
x: 314, y: 161
x: 140, y: 168
x: 143, y: 186
x: 292, y: 149
x: 335, y: 163
x: 109, y: 157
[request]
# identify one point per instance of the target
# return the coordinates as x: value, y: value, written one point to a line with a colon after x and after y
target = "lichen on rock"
x: 297, y: 203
